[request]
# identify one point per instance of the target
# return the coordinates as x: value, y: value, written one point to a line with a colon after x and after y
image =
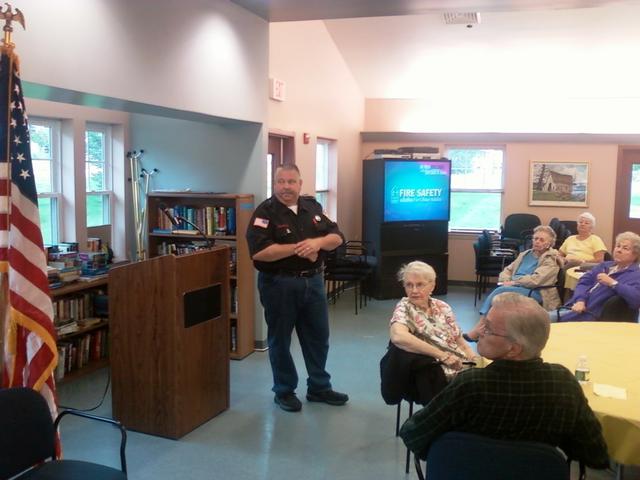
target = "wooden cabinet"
x: 81, y: 320
x: 223, y: 219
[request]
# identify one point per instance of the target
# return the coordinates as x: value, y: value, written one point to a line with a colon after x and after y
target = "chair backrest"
x: 571, y: 225
x: 485, y: 242
x: 559, y: 230
x: 26, y: 430
x: 616, y: 309
x: 466, y: 455
x: 516, y: 223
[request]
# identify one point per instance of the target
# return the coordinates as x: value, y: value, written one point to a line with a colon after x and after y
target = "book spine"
x: 231, y: 221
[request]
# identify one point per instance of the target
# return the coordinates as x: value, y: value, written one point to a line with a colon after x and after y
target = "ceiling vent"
x: 469, y: 18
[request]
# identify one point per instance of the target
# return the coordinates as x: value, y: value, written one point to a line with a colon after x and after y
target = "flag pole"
x: 9, y: 16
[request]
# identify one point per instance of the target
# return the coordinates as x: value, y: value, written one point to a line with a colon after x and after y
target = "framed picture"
x: 559, y: 184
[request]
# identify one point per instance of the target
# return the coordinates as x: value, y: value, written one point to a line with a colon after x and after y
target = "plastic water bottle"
x: 582, y: 370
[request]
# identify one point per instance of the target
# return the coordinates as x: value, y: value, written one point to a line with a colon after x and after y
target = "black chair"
x: 457, y: 455
x: 559, y: 230
x: 562, y: 234
x: 616, y: 309
x: 410, y: 377
x: 490, y: 259
x: 558, y: 285
x: 349, y: 264
x: 570, y: 225
x: 517, y: 228
x: 27, y: 441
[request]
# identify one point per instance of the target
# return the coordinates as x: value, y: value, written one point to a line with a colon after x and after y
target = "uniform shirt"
x: 513, y: 400
x: 274, y: 222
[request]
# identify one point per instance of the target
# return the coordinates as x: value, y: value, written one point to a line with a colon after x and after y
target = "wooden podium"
x: 169, y: 327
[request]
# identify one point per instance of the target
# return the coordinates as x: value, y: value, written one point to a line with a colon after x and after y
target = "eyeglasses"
x: 418, y: 286
x: 490, y: 333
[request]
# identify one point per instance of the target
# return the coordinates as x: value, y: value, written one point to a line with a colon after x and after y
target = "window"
x: 476, y: 188
x: 45, y: 155
x: 269, y: 174
x: 634, y: 204
x: 98, y: 174
x: 322, y: 173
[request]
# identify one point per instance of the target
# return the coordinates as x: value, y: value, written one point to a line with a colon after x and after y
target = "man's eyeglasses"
x: 488, y: 332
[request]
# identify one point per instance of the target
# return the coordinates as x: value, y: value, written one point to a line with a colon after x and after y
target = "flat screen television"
x: 416, y: 190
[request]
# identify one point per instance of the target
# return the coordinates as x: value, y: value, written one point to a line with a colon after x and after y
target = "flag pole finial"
x: 9, y: 16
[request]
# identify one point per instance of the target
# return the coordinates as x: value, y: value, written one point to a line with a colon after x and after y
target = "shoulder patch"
x: 261, y: 222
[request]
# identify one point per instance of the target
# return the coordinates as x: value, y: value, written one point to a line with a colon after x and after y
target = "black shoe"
x: 468, y: 338
x: 288, y: 402
x: 328, y: 396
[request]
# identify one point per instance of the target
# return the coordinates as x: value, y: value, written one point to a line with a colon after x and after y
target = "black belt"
x: 299, y: 273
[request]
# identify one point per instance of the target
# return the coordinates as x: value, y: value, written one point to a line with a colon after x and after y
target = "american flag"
x: 30, y: 353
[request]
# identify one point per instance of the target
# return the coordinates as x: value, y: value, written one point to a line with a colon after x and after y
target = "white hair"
x: 588, y: 216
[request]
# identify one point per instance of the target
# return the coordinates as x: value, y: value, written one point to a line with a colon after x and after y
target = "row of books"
x: 75, y: 307
x: 57, y: 277
x: 167, y: 248
x: 234, y: 335
x: 211, y: 220
x: 71, y: 326
x: 80, y: 351
x: 234, y: 298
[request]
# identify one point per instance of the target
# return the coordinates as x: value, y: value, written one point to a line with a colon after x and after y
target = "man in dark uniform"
x: 288, y: 239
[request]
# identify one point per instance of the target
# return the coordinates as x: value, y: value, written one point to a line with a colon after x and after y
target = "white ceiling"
x: 292, y: 10
x: 521, y: 49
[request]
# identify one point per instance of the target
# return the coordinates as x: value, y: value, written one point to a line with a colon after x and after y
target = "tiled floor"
x: 256, y: 440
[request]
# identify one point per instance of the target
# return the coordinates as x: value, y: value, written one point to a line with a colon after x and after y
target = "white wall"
x: 195, y: 55
x: 322, y: 99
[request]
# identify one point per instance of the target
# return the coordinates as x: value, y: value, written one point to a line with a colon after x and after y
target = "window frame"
x: 55, y: 171
x: 323, y: 190
x: 503, y: 149
x: 106, y: 130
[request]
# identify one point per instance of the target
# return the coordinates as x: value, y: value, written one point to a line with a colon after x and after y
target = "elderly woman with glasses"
x: 619, y: 277
x: 585, y: 247
x: 425, y: 325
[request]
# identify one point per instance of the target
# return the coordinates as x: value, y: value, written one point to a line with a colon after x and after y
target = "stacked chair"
x: 351, y: 264
x: 491, y: 257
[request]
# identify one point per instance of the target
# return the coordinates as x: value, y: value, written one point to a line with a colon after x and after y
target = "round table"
x: 571, y: 277
x: 612, y: 352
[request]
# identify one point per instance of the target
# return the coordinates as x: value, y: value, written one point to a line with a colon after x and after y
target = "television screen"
x: 416, y: 190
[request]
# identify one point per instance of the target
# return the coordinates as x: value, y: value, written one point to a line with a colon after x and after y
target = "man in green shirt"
x: 516, y: 397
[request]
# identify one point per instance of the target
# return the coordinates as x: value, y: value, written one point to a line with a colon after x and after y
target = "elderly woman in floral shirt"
x: 425, y: 325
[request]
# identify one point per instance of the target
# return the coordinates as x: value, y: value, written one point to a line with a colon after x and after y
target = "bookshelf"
x: 224, y: 219
x: 80, y: 317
